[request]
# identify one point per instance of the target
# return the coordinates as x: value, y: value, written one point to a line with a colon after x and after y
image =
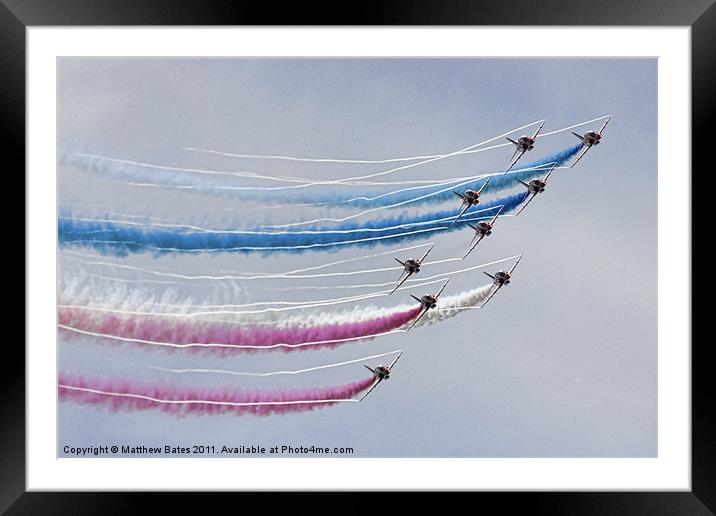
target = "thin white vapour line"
x: 299, y: 305
x: 270, y: 248
x: 572, y: 126
x: 351, y: 273
x: 371, y: 210
x: 353, y: 259
x: 252, y: 248
x: 421, y: 282
x: 230, y: 173
x: 237, y: 278
x: 272, y: 373
x: 245, y: 174
x: 334, y: 160
x: 550, y: 133
x: 337, y: 160
x: 313, y: 204
x: 283, y: 275
x: 346, y: 181
x: 120, y: 214
x: 454, y: 182
x: 368, y: 176
x: 313, y: 160
x: 305, y: 184
x: 136, y: 280
x: 229, y: 346
x: 288, y: 275
x: 456, y: 308
x: 198, y: 229
x: 366, y: 285
x: 200, y: 402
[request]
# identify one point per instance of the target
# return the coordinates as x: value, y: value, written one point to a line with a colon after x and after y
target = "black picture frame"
x: 16, y: 15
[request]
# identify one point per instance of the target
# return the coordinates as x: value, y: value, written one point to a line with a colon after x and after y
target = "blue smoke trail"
x: 327, y: 195
x: 120, y: 239
x: 442, y: 193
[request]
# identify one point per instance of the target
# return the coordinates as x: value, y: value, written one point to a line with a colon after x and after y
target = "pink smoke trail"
x: 123, y: 395
x: 152, y: 329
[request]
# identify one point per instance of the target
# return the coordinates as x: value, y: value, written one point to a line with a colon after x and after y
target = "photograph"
x: 357, y: 257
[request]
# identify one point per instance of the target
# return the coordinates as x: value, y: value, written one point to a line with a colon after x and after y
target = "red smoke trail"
x: 189, y: 333
x: 125, y: 395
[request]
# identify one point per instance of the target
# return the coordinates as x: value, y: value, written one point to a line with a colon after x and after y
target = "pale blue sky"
x: 563, y: 362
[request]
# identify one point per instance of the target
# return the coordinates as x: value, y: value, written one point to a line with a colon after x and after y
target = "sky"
x: 561, y: 363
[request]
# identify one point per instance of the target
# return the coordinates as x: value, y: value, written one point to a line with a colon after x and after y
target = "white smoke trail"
x: 305, y: 304
x: 285, y: 289
x: 293, y: 305
x: 450, y: 306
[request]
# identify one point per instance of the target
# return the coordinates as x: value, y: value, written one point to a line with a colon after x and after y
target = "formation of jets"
x: 481, y: 230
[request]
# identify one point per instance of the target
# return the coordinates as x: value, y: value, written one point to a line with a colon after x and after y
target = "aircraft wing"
x: 515, y: 265
x: 497, y: 214
x: 426, y: 254
x: 371, y: 389
x: 484, y: 185
x: 550, y: 172
x: 394, y: 361
x: 586, y: 148
x: 443, y: 288
x: 518, y: 155
x: 605, y: 124
x: 462, y: 212
x: 474, y: 246
x: 490, y: 296
x: 525, y: 204
x: 400, y: 282
x: 416, y: 320
x: 538, y: 129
